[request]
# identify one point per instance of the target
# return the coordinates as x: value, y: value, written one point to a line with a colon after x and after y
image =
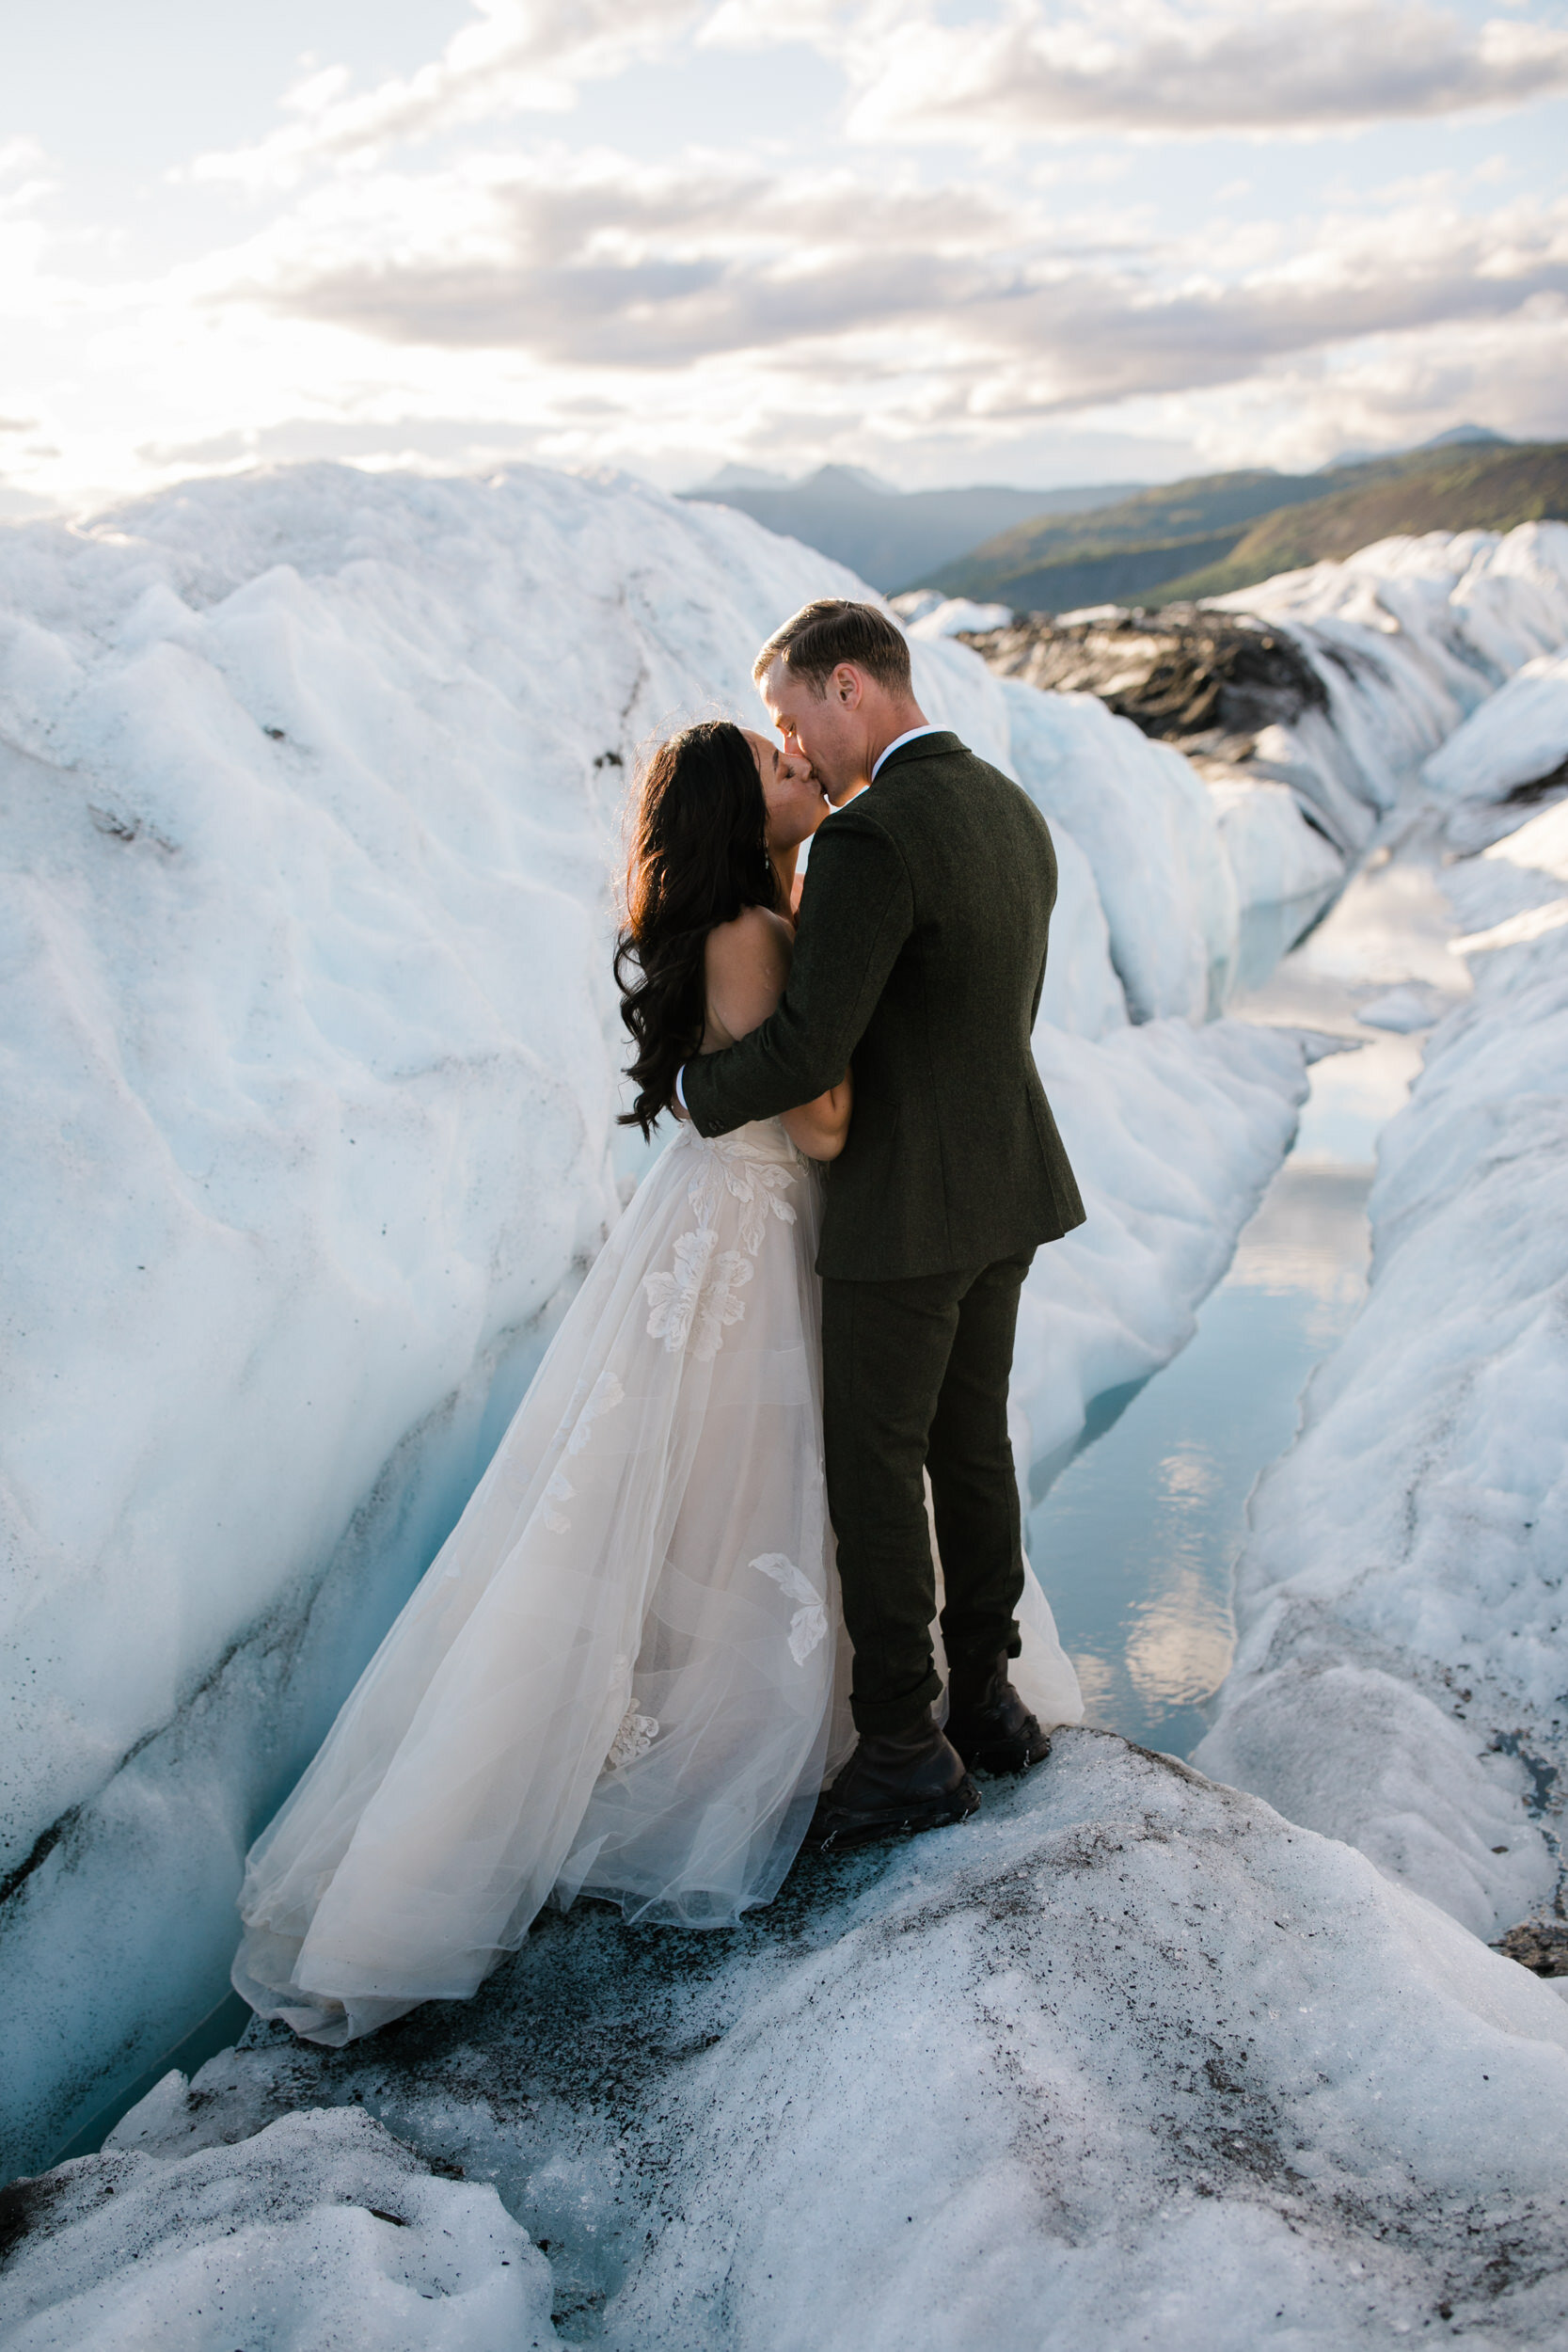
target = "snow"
x: 312, y: 785
x: 1126, y: 2059
x: 1399, y: 1679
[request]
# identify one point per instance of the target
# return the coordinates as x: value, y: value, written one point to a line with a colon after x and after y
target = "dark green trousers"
x: 915, y: 1379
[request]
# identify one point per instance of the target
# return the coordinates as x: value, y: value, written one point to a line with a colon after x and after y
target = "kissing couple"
x: 698, y: 1610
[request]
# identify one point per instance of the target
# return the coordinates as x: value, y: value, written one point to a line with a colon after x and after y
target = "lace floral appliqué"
x: 635, y: 1737
x: 809, y: 1624
x: 691, y: 1306
x: 636, y: 1734
x: 694, y: 1304
x: 730, y: 1165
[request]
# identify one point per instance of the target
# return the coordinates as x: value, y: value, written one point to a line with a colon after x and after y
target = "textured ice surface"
x: 1408, y: 636
x: 321, y: 2234
x: 311, y: 790
x: 927, y: 614
x: 1518, y: 736
x: 1415, y: 1005
x: 1082, y: 991
x: 1150, y: 832
x: 312, y: 786
x: 1272, y: 855
x: 1400, y: 1680
x: 1174, y: 1134
x: 1127, y: 2059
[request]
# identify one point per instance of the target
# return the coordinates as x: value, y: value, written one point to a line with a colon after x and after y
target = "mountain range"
x: 890, y: 537
x: 1221, y: 531
x: 1053, y: 550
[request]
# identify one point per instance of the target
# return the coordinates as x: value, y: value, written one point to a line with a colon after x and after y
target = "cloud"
x: 600, y: 264
x: 1096, y: 337
x: 517, y: 56
x: 20, y: 157
x: 424, y: 283
x: 595, y: 260
x: 1026, y: 70
x: 1158, y: 68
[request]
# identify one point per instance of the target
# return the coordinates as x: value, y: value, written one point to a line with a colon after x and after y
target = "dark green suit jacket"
x: 921, y: 954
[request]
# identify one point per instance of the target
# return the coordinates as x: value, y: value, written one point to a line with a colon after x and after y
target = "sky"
x: 953, y: 241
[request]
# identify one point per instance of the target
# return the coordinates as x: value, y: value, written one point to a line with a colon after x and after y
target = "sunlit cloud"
x: 954, y: 253
x: 599, y: 263
x: 1151, y: 68
x: 518, y: 57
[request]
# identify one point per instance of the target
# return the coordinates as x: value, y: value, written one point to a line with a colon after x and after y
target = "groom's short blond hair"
x: 816, y: 640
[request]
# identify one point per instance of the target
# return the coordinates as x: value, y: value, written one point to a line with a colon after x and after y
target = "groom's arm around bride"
x: 921, y: 953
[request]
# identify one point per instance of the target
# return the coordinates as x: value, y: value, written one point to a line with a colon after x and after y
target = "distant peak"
x: 1467, y: 433
x: 849, y: 478
x: 1457, y: 436
x: 740, y: 478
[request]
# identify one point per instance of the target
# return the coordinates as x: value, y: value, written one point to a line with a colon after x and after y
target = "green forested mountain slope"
x: 1482, y: 492
x: 1218, y: 531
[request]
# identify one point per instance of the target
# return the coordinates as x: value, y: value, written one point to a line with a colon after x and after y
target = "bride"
x: 625, y: 1674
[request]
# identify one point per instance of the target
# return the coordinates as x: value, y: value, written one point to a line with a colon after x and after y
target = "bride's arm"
x: 821, y: 1129
x: 747, y: 963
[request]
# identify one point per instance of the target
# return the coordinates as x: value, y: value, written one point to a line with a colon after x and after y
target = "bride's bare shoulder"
x: 756, y: 940
x: 746, y: 963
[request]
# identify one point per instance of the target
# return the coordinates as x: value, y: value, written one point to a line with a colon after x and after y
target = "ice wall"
x: 1400, y: 1680
x: 1151, y: 837
x: 1510, y: 756
x: 311, y: 785
x: 1408, y: 637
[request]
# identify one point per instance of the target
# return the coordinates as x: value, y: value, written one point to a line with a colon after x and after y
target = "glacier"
x: 312, y: 786
x: 311, y: 1056
x: 1129, y: 2060
x: 1508, y: 751
x: 1399, y: 1677
x: 1408, y: 637
x: 322, y: 2230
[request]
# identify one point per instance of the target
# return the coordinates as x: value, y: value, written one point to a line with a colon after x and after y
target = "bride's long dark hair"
x: 698, y: 853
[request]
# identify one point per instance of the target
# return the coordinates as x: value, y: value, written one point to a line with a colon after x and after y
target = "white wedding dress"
x: 625, y: 1674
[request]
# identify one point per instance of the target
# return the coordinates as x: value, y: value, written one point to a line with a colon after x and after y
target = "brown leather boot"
x: 989, y: 1723
x: 895, y: 1781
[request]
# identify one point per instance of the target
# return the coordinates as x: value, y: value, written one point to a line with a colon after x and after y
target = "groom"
x: 921, y: 953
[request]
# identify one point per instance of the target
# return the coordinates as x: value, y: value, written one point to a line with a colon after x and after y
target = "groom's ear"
x: 846, y: 685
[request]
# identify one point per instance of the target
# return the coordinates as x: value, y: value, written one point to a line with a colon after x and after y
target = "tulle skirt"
x: 625, y: 1673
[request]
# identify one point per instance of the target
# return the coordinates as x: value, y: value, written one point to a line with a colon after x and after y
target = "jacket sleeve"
x: 857, y: 911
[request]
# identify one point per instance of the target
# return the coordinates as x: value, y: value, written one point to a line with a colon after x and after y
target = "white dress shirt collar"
x: 912, y: 735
